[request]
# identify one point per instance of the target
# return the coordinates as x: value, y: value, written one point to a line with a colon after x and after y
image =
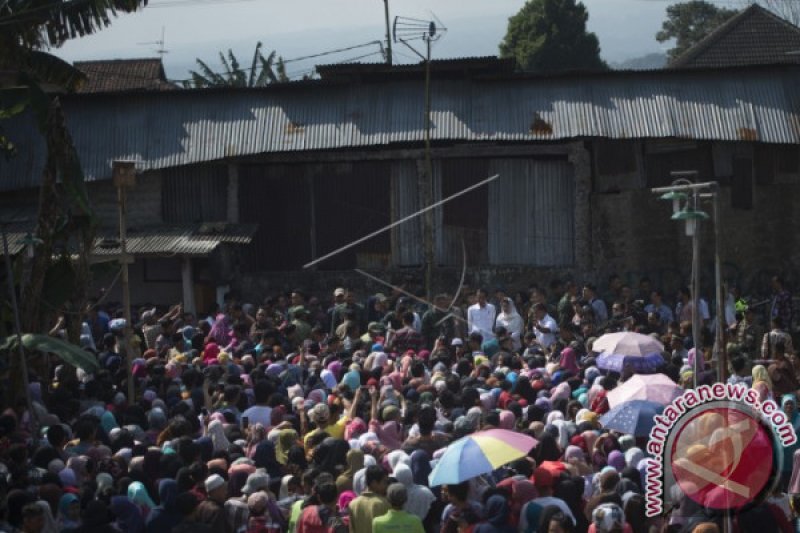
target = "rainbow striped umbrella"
x: 480, y: 453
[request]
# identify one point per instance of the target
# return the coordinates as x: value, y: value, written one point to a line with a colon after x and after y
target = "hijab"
x: 264, y: 457
x: 420, y: 497
x: 760, y: 374
x: 355, y: 462
x: 258, y: 434
x: 217, y: 433
x: 497, y: 516
x: 286, y: 439
x: 568, y: 360
x: 129, y: 518
x: 137, y: 494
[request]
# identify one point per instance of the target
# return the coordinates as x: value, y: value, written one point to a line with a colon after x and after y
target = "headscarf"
x: 355, y: 462
x: 616, y: 459
x: 165, y: 516
x: 286, y: 439
x: 568, y: 360
x: 507, y: 420
x: 760, y: 374
x: 217, y: 433
x: 137, y: 494
x: 420, y: 497
x: 497, y: 516
x: 283, y: 492
x: 633, y: 456
x: 360, y: 481
x: 221, y: 330
x: 344, y: 499
x: 258, y: 434
x: 50, y: 525
x: 63, y: 509
x: 264, y: 457
x: 794, y: 481
x: 522, y: 491
x: 129, y: 517
x: 795, y: 421
x: 397, y: 457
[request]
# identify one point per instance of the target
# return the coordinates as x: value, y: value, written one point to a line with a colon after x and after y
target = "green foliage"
x: 690, y: 22
x: 262, y: 71
x: 69, y: 353
x: 550, y: 36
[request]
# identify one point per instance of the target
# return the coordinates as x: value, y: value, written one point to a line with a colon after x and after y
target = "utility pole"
x: 388, y: 35
x: 427, y: 190
x: 124, y: 174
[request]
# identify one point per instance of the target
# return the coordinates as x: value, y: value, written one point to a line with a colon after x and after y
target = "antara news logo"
x: 720, y: 445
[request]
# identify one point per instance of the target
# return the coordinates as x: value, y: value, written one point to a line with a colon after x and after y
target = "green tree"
x: 29, y: 29
x: 263, y: 71
x: 551, y: 36
x: 690, y: 22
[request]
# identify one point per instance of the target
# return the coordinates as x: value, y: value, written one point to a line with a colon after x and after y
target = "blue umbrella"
x: 635, y: 417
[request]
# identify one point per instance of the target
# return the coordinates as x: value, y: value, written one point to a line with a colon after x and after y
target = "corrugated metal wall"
x: 276, y: 198
x: 465, y: 217
x: 196, y: 193
x: 352, y: 200
x: 406, y: 237
x: 531, y: 213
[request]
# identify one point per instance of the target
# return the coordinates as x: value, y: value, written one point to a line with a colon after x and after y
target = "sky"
x: 297, y: 28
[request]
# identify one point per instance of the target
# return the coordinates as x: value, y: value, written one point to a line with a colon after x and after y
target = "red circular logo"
x: 722, y: 458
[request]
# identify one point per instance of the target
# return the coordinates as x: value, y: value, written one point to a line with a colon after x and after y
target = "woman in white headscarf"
x: 420, y: 497
x: 510, y: 319
x: 217, y: 433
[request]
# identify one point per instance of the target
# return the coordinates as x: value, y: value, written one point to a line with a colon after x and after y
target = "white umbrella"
x: 653, y: 387
x: 627, y: 343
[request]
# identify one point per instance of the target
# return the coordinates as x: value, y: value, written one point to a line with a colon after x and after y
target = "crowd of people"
x: 293, y: 415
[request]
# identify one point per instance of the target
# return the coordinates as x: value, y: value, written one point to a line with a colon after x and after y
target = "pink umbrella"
x: 652, y: 387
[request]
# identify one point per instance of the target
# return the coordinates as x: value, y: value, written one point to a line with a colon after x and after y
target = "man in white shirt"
x: 481, y: 316
x: 545, y: 328
x: 260, y: 413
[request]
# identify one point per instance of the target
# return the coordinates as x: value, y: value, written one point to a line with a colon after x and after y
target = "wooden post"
x: 124, y: 174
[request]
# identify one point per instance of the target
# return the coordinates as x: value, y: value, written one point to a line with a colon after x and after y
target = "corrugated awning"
x: 164, y: 240
x: 189, y: 239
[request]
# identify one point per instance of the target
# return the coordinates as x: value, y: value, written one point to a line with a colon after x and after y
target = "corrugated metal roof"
x: 168, y: 129
x: 186, y: 239
x: 192, y: 239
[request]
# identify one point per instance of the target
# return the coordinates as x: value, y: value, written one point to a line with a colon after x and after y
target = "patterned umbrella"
x: 618, y: 350
x: 653, y: 387
x: 635, y: 417
x: 480, y: 453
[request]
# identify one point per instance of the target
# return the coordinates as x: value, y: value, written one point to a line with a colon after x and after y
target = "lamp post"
x: 686, y: 196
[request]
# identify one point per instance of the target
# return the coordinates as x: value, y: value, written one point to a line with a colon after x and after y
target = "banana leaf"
x: 69, y: 353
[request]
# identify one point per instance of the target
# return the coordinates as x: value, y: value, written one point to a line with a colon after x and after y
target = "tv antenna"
x: 160, y: 43
x: 406, y: 30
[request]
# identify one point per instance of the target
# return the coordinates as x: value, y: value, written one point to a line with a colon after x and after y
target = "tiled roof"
x: 753, y: 37
x: 123, y: 75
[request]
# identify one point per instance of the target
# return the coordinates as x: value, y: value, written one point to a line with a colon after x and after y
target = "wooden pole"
x: 124, y: 173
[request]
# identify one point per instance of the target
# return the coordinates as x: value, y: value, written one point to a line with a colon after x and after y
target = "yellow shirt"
x: 335, y: 430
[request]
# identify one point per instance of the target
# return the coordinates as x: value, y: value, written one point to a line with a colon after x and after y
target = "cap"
x: 380, y: 297
x: 320, y: 413
x: 456, y: 342
x: 339, y: 291
x: 213, y: 482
